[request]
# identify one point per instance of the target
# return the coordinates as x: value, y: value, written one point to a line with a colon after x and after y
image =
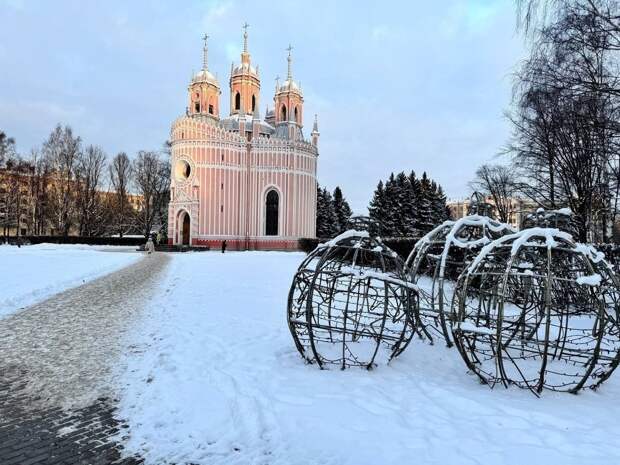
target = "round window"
x: 182, y: 170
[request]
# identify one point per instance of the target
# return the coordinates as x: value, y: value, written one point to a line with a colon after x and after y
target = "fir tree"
x: 342, y: 209
x: 391, y: 208
x: 376, y: 209
x: 326, y: 219
x: 439, y: 205
x: 425, y: 206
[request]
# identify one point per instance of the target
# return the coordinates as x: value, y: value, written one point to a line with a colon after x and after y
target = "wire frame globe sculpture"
x: 538, y: 311
x: 351, y: 304
x: 437, y: 260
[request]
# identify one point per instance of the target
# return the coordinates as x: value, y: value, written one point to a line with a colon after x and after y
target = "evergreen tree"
x: 326, y: 219
x: 425, y: 206
x: 439, y: 205
x: 342, y: 209
x: 406, y: 206
x: 391, y: 208
x: 376, y: 209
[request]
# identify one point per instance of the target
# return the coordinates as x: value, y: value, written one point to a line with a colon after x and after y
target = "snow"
x: 590, y: 280
x: 34, y: 273
x: 549, y: 236
x: 214, y: 378
x: 345, y: 235
x: 520, y: 239
x: 469, y: 327
x: 452, y: 229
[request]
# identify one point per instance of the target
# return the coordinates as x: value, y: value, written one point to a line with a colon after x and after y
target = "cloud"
x: 217, y: 10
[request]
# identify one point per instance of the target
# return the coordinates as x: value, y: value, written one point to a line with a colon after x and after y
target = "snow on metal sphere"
x: 539, y: 311
x: 351, y: 303
x: 439, y: 257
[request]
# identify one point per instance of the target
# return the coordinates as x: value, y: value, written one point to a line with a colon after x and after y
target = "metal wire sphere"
x: 538, y: 311
x: 437, y: 260
x: 351, y: 304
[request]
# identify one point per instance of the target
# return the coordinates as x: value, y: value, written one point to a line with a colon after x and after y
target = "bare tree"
x: 499, y: 182
x: 39, y: 193
x: 152, y: 178
x: 566, y: 117
x: 89, y: 201
x: 121, y: 177
x: 62, y: 151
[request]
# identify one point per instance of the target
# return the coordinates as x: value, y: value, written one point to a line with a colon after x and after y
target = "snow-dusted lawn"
x: 33, y: 273
x: 215, y: 379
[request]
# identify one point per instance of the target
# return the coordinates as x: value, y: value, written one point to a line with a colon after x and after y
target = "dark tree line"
x: 406, y: 206
x: 67, y: 188
x: 332, y: 212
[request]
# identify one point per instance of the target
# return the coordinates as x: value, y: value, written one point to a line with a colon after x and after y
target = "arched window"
x: 283, y: 113
x: 296, y: 116
x: 253, y: 103
x: 271, y: 213
x: 237, y: 101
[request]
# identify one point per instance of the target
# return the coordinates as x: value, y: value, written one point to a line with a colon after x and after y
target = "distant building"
x: 240, y: 178
x: 519, y: 208
x: 15, y: 200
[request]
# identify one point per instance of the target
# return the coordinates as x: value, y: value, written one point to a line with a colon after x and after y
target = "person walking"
x: 224, y: 244
x: 150, y: 247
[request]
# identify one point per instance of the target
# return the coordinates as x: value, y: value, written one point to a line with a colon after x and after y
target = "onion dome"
x: 204, y: 75
x: 289, y: 85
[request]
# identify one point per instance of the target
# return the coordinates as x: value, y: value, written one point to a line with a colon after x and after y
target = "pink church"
x: 249, y: 181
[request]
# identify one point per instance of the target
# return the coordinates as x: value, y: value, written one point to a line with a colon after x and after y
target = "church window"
x: 296, y: 116
x: 182, y: 170
x: 210, y: 109
x: 221, y: 208
x: 197, y: 107
x: 237, y: 101
x: 271, y: 213
x: 253, y: 103
x: 283, y: 113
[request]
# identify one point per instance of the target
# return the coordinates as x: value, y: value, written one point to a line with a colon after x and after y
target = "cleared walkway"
x: 57, y: 363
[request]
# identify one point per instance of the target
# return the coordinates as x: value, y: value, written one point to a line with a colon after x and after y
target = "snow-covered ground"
x: 33, y: 273
x: 214, y: 378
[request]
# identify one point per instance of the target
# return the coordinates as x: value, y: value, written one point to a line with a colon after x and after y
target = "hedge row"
x: 133, y: 241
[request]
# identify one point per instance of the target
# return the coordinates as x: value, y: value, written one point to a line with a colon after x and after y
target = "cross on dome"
x: 245, y: 37
x: 290, y: 59
x: 204, y: 51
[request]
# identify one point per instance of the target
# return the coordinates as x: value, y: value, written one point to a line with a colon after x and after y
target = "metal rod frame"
x: 351, y: 304
x: 523, y: 318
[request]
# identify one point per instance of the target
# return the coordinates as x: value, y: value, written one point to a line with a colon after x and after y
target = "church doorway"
x: 184, y: 228
x: 271, y: 213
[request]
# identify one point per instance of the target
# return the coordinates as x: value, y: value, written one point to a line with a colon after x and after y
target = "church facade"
x: 240, y: 178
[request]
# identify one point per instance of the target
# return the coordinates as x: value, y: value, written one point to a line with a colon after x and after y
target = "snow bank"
x: 214, y: 378
x: 33, y: 273
x: 589, y: 280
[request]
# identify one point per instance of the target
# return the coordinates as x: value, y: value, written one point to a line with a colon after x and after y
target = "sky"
x: 397, y: 85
